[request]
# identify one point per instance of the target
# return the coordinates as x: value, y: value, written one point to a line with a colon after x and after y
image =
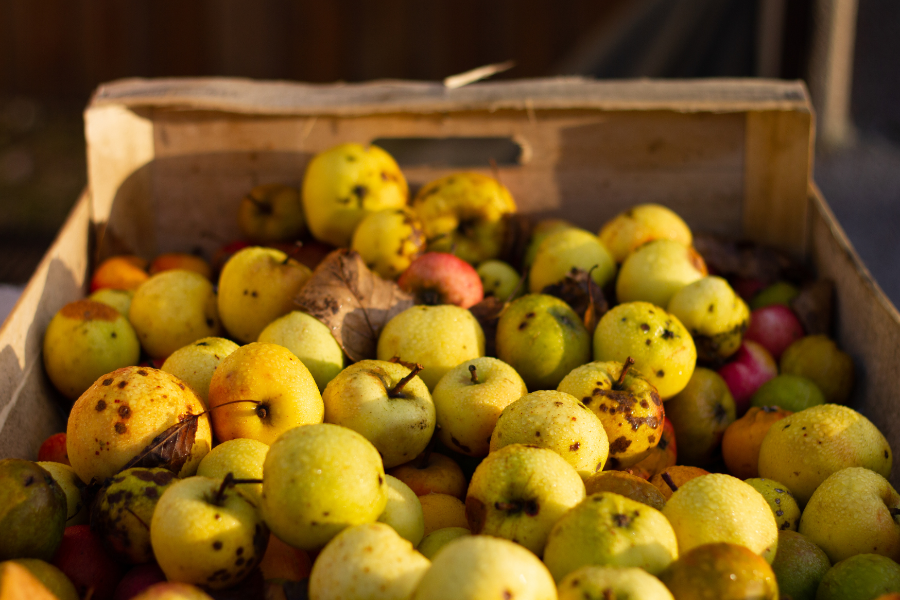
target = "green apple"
x: 781, y: 501
x: 860, y: 577
x: 499, y: 279
x: 819, y: 359
x: 310, y: 340
x: 345, y: 183
x: 385, y: 402
x: 780, y: 292
x: 715, y: 316
x: 84, y: 340
x: 122, y: 413
x: 556, y: 421
x: 804, y: 448
x: 700, y: 414
x: 463, y: 213
x: 73, y: 487
x: 609, y: 529
x: 799, y: 566
x: 656, y: 270
x: 569, y: 249
x: 195, y: 363
x: 403, y: 511
x: 281, y: 391
x: 118, y: 299
x: 206, y: 533
x: 389, y: 240
x: 347, y: 567
x: 318, y: 480
x: 123, y: 508
x: 468, y: 400
x: 662, y: 348
x: 437, y: 539
x: 540, y: 231
x: 640, y: 224
x: 627, y: 404
x: 475, y: 567
x: 790, y: 392
x: 852, y: 512
x: 518, y: 492
x: 32, y: 510
x: 721, y: 508
x: 256, y: 286
x: 243, y: 458
x: 172, y: 309
x: 271, y: 212
x: 592, y: 581
x: 543, y: 339
x: 436, y: 337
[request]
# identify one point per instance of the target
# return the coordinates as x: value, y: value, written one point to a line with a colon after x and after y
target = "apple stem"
x: 668, y: 479
x: 474, y: 373
x: 230, y: 481
x: 263, y: 207
x: 620, y: 382
x: 398, y: 389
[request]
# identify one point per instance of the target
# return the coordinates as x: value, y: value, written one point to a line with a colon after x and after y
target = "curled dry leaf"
x: 487, y: 313
x: 814, y: 306
x: 747, y: 260
x: 352, y: 301
x: 517, y: 228
x: 170, y: 449
x: 581, y: 292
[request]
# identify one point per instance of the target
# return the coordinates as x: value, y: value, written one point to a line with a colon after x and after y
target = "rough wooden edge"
x: 778, y: 168
x: 243, y: 96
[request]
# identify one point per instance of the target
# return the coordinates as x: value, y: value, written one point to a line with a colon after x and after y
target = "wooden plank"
x: 778, y: 169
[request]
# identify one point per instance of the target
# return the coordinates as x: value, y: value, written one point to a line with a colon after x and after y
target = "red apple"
x: 774, y: 327
x: 746, y: 288
x: 84, y: 559
x: 442, y: 278
x: 54, y: 449
x: 137, y: 579
x: 752, y: 366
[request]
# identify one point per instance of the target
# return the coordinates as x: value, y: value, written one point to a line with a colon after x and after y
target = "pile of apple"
x: 438, y: 398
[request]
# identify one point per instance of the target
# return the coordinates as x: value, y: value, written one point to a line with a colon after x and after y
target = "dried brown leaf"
x: 517, y: 228
x: 487, y: 313
x: 581, y: 292
x: 170, y: 449
x: 352, y: 301
x: 814, y: 306
x: 746, y: 260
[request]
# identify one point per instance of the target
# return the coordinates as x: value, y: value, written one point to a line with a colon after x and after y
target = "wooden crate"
x: 169, y: 160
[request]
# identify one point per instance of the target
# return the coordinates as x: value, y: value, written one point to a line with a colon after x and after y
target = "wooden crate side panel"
x: 867, y: 324
x: 30, y: 408
x: 778, y: 170
x: 582, y: 165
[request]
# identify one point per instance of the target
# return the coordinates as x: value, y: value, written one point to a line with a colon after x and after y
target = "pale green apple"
x: 195, y: 363
x: 84, y: 340
x: 206, y: 534
x: 656, y: 270
x: 347, y: 567
x: 592, y: 582
x: 345, y: 183
x: 852, y: 512
x: 804, y: 448
x: 609, y: 529
x: 543, y: 339
x: 721, y: 508
x: 499, y: 279
x: 436, y: 337
x: 124, y: 507
x: 403, y: 511
x: 118, y: 417
x: 118, y: 299
x: 385, y: 402
x: 256, y: 286
x: 861, y: 577
x: 389, y: 240
x: 172, y: 309
x: 818, y: 358
x: 310, y: 340
x: 714, y: 314
x: 556, y: 421
x: 271, y: 212
x: 539, y: 233
x: 243, y: 458
x: 475, y: 567
x: 518, y: 492
x: 282, y: 394
x: 633, y: 228
x: 463, y: 213
x: 799, y: 566
x: 662, y: 348
x: 77, y: 512
x: 437, y: 539
x: 469, y: 399
x: 318, y: 480
x: 569, y: 249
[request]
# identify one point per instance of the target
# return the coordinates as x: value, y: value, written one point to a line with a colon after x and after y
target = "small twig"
x: 620, y: 382
x: 668, y: 479
x: 398, y: 389
x: 474, y: 373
